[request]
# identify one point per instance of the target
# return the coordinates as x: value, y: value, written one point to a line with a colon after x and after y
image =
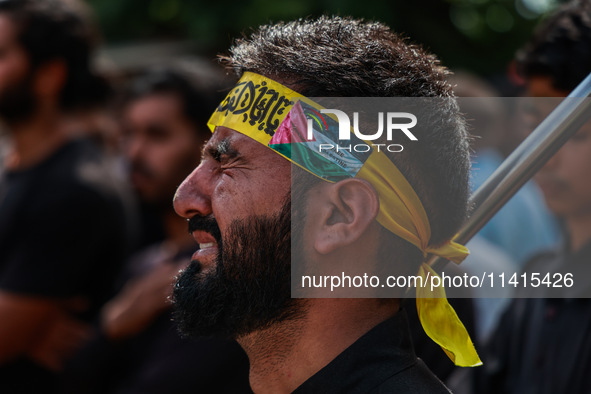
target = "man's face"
x: 17, y: 100
x: 564, y: 179
x: 238, y: 178
x: 162, y: 146
x: 239, y: 205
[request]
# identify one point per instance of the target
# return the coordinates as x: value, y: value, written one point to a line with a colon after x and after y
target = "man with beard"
x: 542, y: 345
x: 248, y: 214
x: 138, y: 349
x: 62, y: 220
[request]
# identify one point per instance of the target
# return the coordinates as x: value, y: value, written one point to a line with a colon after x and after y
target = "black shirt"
x: 63, y: 232
x: 381, y: 361
x: 157, y: 360
x: 543, y: 345
x: 62, y: 225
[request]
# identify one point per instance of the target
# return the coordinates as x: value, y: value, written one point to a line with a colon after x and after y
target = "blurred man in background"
x: 543, y: 345
x: 138, y: 349
x: 523, y: 226
x: 62, y: 220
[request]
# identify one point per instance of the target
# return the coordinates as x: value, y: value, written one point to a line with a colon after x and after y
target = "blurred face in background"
x: 163, y: 146
x: 564, y: 179
x: 16, y: 91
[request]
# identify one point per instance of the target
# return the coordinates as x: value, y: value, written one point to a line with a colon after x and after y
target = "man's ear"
x: 347, y: 209
x: 50, y: 78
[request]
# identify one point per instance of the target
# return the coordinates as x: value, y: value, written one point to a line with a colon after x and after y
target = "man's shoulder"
x: 381, y: 361
x: 78, y: 175
x: 417, y: 379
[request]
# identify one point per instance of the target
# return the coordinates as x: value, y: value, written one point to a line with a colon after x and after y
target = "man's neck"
x: 287, y: 354
x: 579, y: 230
x: 35, y: 139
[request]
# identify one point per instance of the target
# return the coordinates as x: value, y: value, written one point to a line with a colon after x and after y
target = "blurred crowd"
x: 90, y: 243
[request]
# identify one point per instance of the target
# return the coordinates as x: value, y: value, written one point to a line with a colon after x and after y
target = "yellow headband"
x: 264, y: 109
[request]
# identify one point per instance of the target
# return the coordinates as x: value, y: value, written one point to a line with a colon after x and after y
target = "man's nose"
x: 193, y: 197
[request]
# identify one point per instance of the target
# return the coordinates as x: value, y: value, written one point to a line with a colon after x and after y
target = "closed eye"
x: 222, y: 151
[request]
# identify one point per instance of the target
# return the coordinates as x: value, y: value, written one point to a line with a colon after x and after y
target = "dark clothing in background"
x: 543, y: 345
x: 381, y: 361
x: 150, y: 224
x: 63, y: 232
x: 157, y: 360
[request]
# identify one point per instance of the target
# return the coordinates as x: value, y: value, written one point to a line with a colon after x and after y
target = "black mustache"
x: 207, y: 224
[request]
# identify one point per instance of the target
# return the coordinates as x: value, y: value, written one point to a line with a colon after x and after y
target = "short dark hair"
x: 53, y: 29
x: 560, y: 48
x: 198, y: 100
x: 344, y: 57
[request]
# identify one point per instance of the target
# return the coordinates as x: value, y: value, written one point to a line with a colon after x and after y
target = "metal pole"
x: 525, y: 161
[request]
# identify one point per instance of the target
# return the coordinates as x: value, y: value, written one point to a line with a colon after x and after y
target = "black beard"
x: 250, y: 288
x: 17, y: 102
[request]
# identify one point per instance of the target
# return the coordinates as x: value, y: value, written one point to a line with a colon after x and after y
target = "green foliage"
x: 479, y: 35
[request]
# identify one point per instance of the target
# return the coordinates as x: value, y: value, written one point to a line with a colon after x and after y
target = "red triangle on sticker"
x: 293, y: 127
